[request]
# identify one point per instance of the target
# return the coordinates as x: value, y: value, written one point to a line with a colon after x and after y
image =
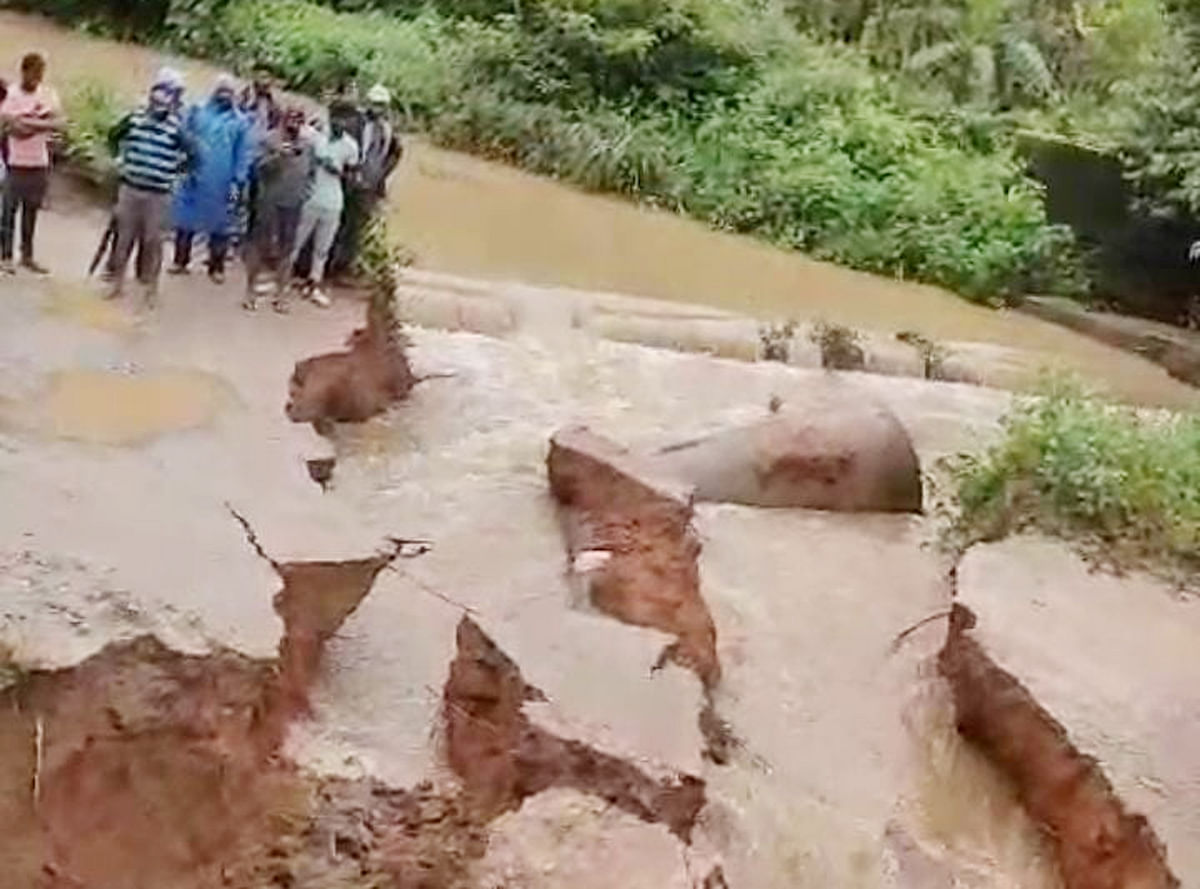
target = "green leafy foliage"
x: 1126, y: 484
x: 800, y: 143
x: 92, y: 110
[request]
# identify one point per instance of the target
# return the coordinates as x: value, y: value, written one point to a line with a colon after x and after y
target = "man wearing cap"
x: 380, y: 152
x: 152, y: 149
x: 207, y: 202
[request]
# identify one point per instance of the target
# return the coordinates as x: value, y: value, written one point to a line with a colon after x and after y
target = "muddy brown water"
x: 465, y: 215
x: 103, y: 407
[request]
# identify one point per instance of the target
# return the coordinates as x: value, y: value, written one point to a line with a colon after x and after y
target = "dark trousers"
x: 218, y: 249
x: 272, y: 240
x: 360, y: 207
x: 24, y: 191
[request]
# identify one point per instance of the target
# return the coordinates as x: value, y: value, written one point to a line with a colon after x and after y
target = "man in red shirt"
x: 29, y: 116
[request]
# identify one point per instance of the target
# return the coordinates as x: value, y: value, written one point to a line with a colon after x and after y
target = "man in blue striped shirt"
x: 153, y: 148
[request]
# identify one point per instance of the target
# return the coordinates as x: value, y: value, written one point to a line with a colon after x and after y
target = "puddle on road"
x: 105, y: 407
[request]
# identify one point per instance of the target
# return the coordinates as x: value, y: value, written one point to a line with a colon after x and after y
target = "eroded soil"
x: 1099, y: 843
x: 143, y: 767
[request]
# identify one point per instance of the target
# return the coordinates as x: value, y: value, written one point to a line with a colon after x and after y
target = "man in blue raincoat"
x: 207, y: 202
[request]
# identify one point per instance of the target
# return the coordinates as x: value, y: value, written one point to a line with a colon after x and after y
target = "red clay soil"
x: 502, y: 758
x: 357, y: 384
x: 1099, y: 844
x: 142, y: 767
x: 651, y: 577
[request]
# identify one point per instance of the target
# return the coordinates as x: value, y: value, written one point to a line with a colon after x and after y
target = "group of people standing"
x: 294, y: 191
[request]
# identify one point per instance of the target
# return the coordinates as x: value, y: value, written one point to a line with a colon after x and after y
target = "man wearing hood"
x: 380, y: 152
x: 170, y: 80
x: 207, y: 202
x: 152, y: 150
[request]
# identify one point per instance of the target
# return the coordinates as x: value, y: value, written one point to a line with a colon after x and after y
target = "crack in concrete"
x: 1099, y: 843
x: 503, y: 758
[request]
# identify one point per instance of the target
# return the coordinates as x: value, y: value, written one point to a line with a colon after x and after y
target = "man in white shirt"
x: 336, y: 158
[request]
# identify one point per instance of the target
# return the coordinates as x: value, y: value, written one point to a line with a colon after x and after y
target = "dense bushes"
x: 1076, y: 466
x: 93, y: 109
x: 716, y: 108
x: 759, y: 131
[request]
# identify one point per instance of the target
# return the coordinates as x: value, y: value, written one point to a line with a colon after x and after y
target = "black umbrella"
x: 106, y: 242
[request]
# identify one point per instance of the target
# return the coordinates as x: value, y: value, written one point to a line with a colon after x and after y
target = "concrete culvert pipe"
x: 817, y: 452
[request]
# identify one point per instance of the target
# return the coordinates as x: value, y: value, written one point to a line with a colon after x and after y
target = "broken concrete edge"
x: 315, y: 600
x: 646, y: 571
x: 365, y: 379
x: 141, y: 740
x: 503, y: 758
x: 1098, y: 842
x: 642, y: 524
x: 1176, y: 350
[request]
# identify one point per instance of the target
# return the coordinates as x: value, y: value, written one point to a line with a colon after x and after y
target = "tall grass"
x: 92, y: 110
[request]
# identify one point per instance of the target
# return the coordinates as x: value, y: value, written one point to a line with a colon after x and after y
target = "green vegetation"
x: 719, y: 109
x: 876, y: 133
x: 1126, y: 485
x: 92, y: 110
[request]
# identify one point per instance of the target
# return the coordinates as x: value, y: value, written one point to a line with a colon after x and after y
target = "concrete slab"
x: 1113, y: 659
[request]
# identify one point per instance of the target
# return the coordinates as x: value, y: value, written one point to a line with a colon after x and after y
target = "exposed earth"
x: 515, y: 640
